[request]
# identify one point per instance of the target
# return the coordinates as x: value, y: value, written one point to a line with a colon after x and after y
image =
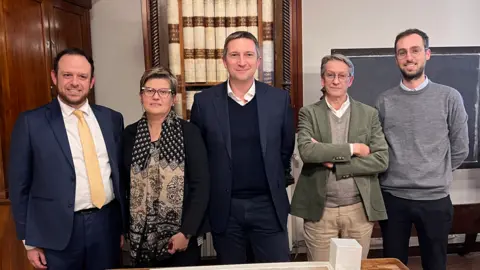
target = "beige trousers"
x: 341, y: 222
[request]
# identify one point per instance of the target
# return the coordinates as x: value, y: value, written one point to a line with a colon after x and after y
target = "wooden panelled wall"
x: 32, y: 32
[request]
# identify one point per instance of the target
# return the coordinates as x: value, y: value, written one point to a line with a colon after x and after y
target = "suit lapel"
x: 262, y: 110
x: 105, y: 123
x: 221, y: 108
x: 321, y: 113
x: 353, y: 126
x: 55, y: 118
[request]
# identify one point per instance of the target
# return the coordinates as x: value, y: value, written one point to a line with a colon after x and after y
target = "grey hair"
x: 337, y: 57
x: 241, y: 34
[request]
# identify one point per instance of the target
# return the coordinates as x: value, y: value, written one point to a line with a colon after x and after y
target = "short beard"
x: 411, y: 77
x: 70, y: 102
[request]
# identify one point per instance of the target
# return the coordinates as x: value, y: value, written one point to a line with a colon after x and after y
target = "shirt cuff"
x: 351, y: 149
x: 27, y: 247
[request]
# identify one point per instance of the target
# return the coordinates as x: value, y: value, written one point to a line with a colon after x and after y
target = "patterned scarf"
x: 157, y: 186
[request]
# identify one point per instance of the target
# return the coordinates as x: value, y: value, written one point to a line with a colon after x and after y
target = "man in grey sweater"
x: 425, y: 125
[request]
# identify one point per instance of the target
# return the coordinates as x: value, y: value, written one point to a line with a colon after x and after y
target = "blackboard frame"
x: 434, y: 50
x: 390, y: 51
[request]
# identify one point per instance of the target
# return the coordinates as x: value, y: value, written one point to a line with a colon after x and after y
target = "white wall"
x: 336, y: 24
x: 117, y: 45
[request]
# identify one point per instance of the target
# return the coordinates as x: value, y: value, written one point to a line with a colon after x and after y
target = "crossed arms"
x: 361, y: 163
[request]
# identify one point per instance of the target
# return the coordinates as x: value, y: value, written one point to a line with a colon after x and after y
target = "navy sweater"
x: 249, y: 177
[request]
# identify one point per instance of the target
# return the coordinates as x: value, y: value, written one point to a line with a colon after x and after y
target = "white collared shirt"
x: 418, y: 88
x: 82, y: 190
x: 247, y: 98
x: 340, y: 112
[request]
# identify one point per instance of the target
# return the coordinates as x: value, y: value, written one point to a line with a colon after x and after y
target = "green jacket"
x: 309, y: 197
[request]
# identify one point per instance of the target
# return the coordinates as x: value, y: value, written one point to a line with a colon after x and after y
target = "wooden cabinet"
x: 12, y: 253
x: 32, y: 32
x: 24, y: 62
x: 71, y: 26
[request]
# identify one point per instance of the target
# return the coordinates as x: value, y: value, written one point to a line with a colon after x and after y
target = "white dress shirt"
x: 246, y: 98
x: 340, y: 112
x: 82, y: 191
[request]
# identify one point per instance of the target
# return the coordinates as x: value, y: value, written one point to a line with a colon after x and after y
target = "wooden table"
x: 383, y: 264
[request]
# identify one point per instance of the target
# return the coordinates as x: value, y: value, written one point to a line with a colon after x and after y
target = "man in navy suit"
x: 248, y: 130
x: 66, y: 194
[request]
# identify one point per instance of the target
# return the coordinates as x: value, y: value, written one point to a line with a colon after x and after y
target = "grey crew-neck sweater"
x: 427, y: 135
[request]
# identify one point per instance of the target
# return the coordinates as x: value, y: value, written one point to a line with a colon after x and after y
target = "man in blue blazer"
x: 249, y: 133
x: 65, y: 189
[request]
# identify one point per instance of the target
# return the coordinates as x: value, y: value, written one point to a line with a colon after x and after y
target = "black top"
x: 248, y: 168
x: 197, y: 177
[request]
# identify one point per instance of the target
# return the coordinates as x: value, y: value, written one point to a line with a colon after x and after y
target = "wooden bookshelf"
x: 200, y: 84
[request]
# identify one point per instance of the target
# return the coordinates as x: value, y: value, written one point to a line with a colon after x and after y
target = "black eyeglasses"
x: 162, y: 92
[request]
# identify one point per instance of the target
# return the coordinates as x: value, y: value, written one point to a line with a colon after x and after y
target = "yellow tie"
x: 91, y: 161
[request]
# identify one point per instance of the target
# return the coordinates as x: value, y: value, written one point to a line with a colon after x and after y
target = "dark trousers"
x: 252, y: 221
x: 94, y: 244
x: 432, y: 220
x: 189, y: 257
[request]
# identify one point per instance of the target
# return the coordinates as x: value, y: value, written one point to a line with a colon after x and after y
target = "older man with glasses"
x: 343, y: 148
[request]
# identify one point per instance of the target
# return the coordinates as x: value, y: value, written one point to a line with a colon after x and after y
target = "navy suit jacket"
x: 41, y: 173
x: 277, y: 138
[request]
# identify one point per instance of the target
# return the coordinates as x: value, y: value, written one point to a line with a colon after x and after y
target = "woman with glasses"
x: 165, y: 165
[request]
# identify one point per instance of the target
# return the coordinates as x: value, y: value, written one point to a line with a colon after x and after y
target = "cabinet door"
x: 70, y: 27
x: 24, y: 63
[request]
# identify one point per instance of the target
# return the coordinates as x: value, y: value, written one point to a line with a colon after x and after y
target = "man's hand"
x: 37, y: 258
x: 328, y: 165
x: 361, y: 150
x: 314, y: 141
x: 122, y: 241
x: 178, y: 242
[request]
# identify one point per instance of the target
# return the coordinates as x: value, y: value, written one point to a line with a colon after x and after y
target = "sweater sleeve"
x: 457, y: 129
